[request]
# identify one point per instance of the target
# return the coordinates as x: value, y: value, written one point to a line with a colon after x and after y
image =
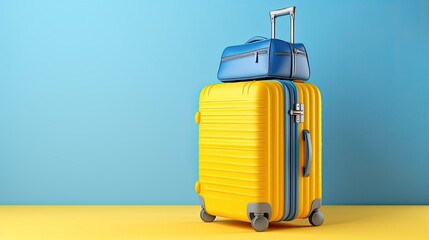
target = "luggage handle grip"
x: 282, y: 12
x: 308, y: 153
x: 256, y: 39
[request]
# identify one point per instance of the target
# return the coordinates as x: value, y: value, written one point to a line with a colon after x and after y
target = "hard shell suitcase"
x: 260, y: 152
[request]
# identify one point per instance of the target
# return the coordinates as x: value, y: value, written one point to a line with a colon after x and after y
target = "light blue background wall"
x: 97, y: 98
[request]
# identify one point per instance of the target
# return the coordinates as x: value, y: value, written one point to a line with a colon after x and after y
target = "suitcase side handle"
x: 281, y: 12
x: 308, y: 152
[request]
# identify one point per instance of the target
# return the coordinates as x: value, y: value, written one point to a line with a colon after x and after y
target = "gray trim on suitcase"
x: 288, y: 154
x: 315, y: 205
x: 295, y: 156
x: 291, y: 166
x: 203, y: 206
x: 258, y: 209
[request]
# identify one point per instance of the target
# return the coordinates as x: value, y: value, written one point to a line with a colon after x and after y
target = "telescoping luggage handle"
x: 308, y: 152
x: 281, y: 12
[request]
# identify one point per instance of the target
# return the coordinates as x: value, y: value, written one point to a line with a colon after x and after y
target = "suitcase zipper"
x: 297, y: 51
x: 242, y: 55
x: 282, y: 53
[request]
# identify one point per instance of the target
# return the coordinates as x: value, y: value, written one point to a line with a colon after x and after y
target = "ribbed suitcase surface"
x: 241, y: 133
x: 252, y: 152
x: 310, y: 188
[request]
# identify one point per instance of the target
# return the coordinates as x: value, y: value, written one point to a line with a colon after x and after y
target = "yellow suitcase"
x: 260, y: 152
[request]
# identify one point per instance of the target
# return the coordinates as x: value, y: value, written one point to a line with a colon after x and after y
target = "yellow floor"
x: 183, y: 222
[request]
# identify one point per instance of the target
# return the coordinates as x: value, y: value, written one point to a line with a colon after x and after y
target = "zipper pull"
x: 256, y: 57
x: 297, y: 51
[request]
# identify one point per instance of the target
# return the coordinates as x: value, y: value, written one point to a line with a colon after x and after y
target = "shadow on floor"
x: 274, y: 226
x: 333, y: 216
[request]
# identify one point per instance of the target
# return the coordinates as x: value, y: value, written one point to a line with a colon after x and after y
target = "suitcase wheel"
x: 206, y: 217
x: 316, y: 218
x: 260, y: 223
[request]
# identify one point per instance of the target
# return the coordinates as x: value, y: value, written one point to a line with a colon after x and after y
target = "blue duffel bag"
x: 262, y: 58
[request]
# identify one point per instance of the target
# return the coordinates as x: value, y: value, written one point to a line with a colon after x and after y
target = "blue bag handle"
x: 256, y: 39
x: 308, y: 152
